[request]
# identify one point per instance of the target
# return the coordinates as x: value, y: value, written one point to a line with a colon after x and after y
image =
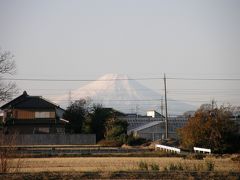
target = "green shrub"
x: 197, y: 167
x: 210, y: 165
x: 135, y: 141
x: 174, y: 167
x: 165, y: 168
x: 143, y: 166
x: 122, y: 138
x: 154, y: 167
x: 180, y: 167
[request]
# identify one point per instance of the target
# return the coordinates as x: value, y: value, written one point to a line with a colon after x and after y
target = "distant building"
x: 175, y: 123
x: 32, y: 115
x: 152, y: 126
x: 152, y: 131
x: 154, y: 114
x: 135, y: 120
x: 1, y: 119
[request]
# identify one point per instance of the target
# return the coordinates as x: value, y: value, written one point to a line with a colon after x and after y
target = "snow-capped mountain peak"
x: 122, y: 93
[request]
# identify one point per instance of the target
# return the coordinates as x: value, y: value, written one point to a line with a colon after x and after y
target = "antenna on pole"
x: 166, y: 113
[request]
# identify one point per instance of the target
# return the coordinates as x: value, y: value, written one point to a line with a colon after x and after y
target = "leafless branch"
x: 7, y: 90
x: 7, y: 66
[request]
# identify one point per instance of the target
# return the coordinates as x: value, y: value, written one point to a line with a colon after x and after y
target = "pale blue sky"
x: 74, y: 39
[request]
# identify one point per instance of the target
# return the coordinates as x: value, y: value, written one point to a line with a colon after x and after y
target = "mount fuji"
x: 124, y: 94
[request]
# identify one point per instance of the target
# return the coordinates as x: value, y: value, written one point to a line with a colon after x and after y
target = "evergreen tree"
x: 76, y: 114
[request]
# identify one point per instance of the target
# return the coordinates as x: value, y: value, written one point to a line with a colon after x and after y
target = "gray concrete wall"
x: 54, y: 139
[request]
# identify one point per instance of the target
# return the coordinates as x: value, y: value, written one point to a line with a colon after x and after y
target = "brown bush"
x: 110, y: 143
x: 236, y: 158
x: 7, y: 153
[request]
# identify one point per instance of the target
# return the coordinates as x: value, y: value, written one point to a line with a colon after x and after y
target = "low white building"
x: 135, y: 120
x: 154, y: 114
x: 152, y: 126
x: 1, y: 116
x: 152, y: 131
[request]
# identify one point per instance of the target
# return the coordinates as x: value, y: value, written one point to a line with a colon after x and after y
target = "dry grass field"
x: 110, y: 164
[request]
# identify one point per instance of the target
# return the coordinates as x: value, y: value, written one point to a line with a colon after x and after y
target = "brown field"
x: 110, y: 164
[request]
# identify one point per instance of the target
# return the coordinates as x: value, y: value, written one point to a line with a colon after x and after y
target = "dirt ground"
x: 123, y: 175
x: 112, y: 164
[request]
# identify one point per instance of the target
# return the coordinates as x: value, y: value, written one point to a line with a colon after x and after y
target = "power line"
x: 143, y: 89
x: 205, y: 79
x: 75, y: 80
x: 135, y: 100
x: 122, y: 92
x: 166, y: 107
x: 120, y: 79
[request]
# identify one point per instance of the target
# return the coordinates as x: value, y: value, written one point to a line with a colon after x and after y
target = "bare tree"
x: 7, y: 67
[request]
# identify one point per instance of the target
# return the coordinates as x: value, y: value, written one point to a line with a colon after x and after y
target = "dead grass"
x: 110, y: 164
x: 7, y: 153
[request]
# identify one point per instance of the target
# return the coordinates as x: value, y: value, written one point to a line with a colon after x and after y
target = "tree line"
x: 88, y: 118
x: 210, y: 127
x: 85, y: 117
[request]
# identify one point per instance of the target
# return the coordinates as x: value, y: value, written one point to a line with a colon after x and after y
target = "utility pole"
x: 213, y: 102
x: 166, y: 113
x: 137, y: 108
x: 70, y: 97
x: 162, y: 106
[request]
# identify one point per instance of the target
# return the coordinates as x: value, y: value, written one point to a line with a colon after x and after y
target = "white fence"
x: 203, y: 150
x: 168, y: 148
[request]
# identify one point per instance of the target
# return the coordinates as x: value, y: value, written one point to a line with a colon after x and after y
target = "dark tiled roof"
x: 114, y: 111
x: 34, y: 102
x: 29, y: 102
x: 15, y: 101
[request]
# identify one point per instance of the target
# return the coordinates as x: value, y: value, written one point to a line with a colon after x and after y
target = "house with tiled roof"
x: 32, y: 115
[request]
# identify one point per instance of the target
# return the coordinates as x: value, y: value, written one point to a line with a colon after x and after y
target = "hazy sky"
x: 74, y: 39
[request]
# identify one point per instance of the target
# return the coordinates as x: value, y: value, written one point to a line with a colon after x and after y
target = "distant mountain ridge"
x: 123, y: 94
